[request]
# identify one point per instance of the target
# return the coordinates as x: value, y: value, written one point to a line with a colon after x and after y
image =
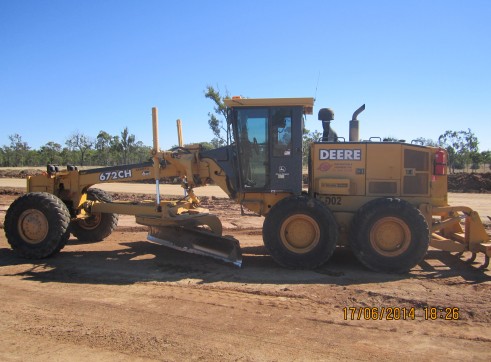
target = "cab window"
x: 252, y: 142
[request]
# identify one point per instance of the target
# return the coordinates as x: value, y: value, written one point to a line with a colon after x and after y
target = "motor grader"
x: 387, y: 201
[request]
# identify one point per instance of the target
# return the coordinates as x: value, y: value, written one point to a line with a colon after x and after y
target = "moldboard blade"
x: 197, y: 242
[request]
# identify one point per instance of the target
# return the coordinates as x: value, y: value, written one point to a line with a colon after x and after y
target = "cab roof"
x: 306, y: 103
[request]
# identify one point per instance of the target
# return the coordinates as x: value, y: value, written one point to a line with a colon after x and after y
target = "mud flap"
x: 197, y: 242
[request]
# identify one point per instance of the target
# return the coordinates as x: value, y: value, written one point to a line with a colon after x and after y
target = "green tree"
x: 115, y: 150
x: 7, y: 156
x: 127, y: 144
x: 218, y: 120
x: 486, y: 158
x: 68, y: 156
x: 50, y: 153
x: 17, y: 151
x: 33, y: 158
x: 459, y: 145
x: 426, y: 141
x: 207, y: 146
x: 476, y: 160
x: 141, y: 153
x: 102, y: 146
x: 308, y: 138
x: 81, y: 143
x: 391, y: 139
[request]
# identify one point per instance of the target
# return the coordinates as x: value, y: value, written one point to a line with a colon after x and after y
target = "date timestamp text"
x: 400, y: 313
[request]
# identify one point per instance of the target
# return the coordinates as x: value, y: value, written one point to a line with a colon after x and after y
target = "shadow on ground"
x: 142, y: 261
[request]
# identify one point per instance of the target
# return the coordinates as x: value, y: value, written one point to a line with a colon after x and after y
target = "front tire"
x: 36, y: 225
x: 300, y: 232
x: 389, y: 235
x: 97, y: 226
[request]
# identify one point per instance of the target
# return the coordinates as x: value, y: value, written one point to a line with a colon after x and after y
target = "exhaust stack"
x: 354, y: 126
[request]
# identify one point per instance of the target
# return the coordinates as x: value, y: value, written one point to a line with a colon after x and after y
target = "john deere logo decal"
x: 351, y: 155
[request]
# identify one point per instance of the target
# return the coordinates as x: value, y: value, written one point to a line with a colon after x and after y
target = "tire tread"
x: 360, y: 230
x: 58, y: 218
x: 109, y: 221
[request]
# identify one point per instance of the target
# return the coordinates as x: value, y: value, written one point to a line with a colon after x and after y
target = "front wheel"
x: 36, y: 225
x: 389, y: 235
x: 300, y: 232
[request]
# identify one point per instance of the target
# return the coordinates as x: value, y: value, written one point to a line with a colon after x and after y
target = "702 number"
x: 332, y: 200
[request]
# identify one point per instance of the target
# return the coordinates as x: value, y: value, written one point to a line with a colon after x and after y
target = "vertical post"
x: 155, y: 129
x: 179, y: 140
x: 155, y: 152
x: 179, y: 133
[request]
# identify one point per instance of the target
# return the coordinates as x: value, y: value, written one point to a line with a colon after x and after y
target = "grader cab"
x: 386, y: 200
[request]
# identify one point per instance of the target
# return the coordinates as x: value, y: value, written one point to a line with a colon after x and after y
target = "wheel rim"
x: 33, y: 226
x: 91, y: 222
x: 300, y: 233
x: 390, y: 236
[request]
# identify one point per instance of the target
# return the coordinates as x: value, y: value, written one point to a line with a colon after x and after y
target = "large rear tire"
x: 36, y: 225
x: 389, y: 235
x: 97, y: 226
x: 300, y: 232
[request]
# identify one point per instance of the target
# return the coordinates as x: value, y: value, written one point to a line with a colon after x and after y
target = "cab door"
x: 285, y: 166
x: 252, y: 139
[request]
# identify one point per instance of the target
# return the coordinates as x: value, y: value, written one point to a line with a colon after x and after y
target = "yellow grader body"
x: 393, y: 170
x: 386, y: 200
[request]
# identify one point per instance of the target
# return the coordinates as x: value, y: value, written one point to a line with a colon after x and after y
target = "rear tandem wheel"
x: 389, y: 235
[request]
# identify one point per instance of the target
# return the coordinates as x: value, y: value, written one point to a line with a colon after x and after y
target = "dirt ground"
x: 128, y: 299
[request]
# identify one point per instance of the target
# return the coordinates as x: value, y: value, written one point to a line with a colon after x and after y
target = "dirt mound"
x: 15, y: 173
x: 12, y: 191
x: 470, y: 182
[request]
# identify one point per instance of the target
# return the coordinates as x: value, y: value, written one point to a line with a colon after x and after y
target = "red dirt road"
x: 128, y: 299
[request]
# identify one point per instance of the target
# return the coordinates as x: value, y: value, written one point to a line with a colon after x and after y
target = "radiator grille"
x: 417, y: 167
x: 416, y: 159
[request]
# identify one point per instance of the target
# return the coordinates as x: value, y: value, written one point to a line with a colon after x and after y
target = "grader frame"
x: 387, y: 212
x: 181, y: 224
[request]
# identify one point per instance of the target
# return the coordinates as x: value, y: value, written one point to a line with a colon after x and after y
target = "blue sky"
x: 421, y: 67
